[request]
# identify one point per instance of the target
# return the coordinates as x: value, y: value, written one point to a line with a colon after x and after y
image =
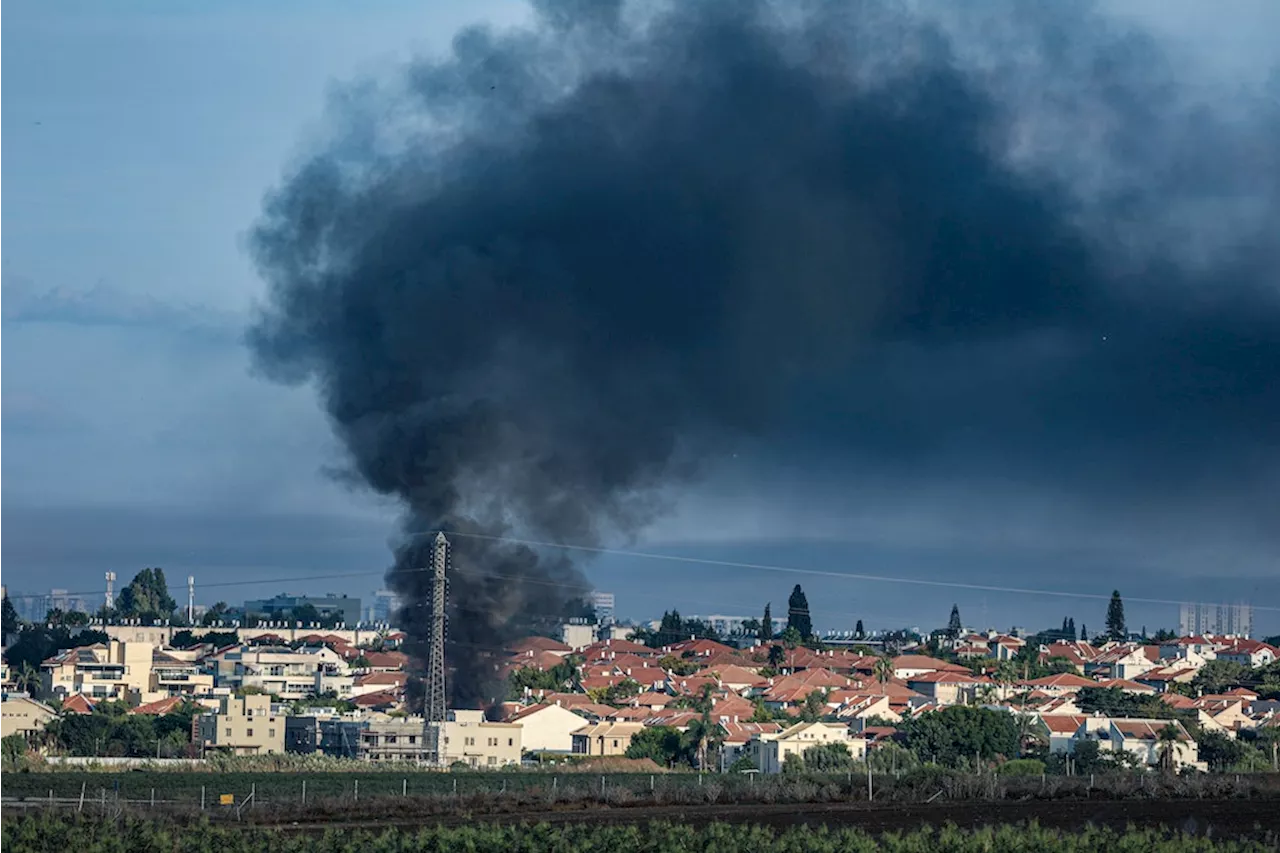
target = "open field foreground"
x: 50, y: 832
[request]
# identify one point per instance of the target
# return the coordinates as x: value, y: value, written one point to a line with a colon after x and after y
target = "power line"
x: 648, y: 555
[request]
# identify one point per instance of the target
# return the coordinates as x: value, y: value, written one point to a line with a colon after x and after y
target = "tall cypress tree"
x: 858, y: 632
x: 1115, y: 617
x: 798, y: 613
x: 1071, y: 628
x: 766, y: 624
x: 954, y: 626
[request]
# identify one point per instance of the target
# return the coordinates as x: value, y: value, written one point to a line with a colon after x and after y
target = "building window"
x: 615, y: 744
x: 414, y: 739
x: 511, y: 741
x: 248, y: 732
x: 271, y: 732
x: 493, y: 759
x: 228, y: 732
x: 391, y: 738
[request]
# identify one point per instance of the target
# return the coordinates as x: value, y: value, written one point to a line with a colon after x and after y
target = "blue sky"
x: 140, y: 140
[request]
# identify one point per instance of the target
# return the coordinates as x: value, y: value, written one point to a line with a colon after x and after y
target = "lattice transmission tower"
x: 433, y: 710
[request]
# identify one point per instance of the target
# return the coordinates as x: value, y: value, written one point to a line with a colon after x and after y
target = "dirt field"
x: 1214, y: 818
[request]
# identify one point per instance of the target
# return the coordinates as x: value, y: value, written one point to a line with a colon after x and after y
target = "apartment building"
x: 468, y: 737
x: 22, y: 715
x: 243, y: 725
x: 175, y: 676
x: 115, y: 670
x: 283, y: 672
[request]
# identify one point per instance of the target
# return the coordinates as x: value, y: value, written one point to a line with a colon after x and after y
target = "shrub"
x: 1021, y: 767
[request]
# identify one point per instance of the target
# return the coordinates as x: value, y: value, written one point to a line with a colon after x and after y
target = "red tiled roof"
x: 538, y: 644
x: 530, y: 711
x: 651, y: 698
x: 1125, y: 684
x: 635, y: 714
x: 396, y: 679
x: 162, y: 706
x: 732, y: 675
x: 386, y: 660
x: 1063, y: 724
x: 738, y: 733
x: 1061, y: 679
x: 925, y: 662
x: 77, y: 703
x: 377, y: 700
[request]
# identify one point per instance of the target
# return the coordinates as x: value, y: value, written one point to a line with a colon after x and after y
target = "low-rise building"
x: 605, y: 738
x: 771, y: 750
x: 283, y: 672
x: 113, y: 670
x: 22, y: 715
x: 386, y: 738
x: 548, y: 728
x: 243, y: 725
x: 470, y: 738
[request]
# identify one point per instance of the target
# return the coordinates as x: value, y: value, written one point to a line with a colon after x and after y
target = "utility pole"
x: 191, y: 599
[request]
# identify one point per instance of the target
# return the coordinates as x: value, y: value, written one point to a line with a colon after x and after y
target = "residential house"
x: 1060, y: 730
x: 1059, y: 684
x: 605, y: 738
x: 1135, y: 688
x: 1004, y: 647
x: 548, y: 728
x: 1162, y: 678
x: 909, y: 666
x: 113, y: 670
x: 1123, y: 661
x: 22, y: 715
x: 283, y: 672
x: 1141, y: 739
x: 175, y: 676
x: 1225, y: 714
x: 471, y: 739
x: 770, y: 749
x: 737, y: 737
x: 1250, y: 653
x: 950, y: 688
x: 242, y: 725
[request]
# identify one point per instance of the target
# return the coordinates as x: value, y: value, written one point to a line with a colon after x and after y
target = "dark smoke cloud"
x: 544, y: 280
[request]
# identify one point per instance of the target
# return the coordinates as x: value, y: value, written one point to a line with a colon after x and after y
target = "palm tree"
x: 1168, y: 740
x: 1029, y: 733
x: 27, y: 678
x: 884, y: 670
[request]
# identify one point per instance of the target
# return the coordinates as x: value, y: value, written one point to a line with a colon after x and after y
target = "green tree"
x: 1084, y: 633
x: 9, y: 616
x: 954, y: 625
x: 828, y: 758
x: 219, y: 612
x: 677, y: 666
x: 306, y: 613
x: 954, y: 735
x: 1115, y: 617
x: 857, y: 630
x: 14, y: 748
x: 815, y: 706
x: 27, y: 678
x: 883, y: 669
x: 791, y: 637
x: 1167, y: 748
x: 750, y: 628
x: 777, y: 656
x: 1221, y: 752
x: 766, y: 624
x: 146, y: 596
x: 661, y: 744
x: 1219, y: 675
x: 798, y: 614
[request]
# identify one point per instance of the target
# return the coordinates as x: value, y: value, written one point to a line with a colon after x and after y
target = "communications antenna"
x: 111, y: 596
x: 191, y: 599
x: 433, y: 710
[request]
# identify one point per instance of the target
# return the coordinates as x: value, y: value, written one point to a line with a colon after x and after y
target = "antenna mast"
x: 111, y: 595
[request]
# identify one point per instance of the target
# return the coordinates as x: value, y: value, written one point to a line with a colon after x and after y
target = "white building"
x: 284, y: 672
x: 548, y: 728
x: 603, y: 604
x: 770, y: 750
x: 1196, y: 618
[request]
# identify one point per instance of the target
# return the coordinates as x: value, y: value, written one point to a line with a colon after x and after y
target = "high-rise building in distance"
x: 603, y: 604
x: 1199, y: 618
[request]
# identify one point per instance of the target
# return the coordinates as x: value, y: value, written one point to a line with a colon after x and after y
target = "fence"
x: 230, y: 795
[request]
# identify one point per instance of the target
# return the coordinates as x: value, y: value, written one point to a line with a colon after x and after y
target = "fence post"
x: 304, y: 792
x: 202, y: 796
x: 404, y: 788
x: 357, y: 790
x: 504, y: 786
x: 555, y: 780
x: 455, y: 786
x: 602, y: 787
x: 80, y: 807
x: 104, y: 800
x: 650, y: 782
x: 870, y: 790
x: 253, y: 795
x: 50, y: 798
x: 153, y: 798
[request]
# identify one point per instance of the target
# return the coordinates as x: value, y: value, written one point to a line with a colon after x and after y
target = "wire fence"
x: 233, y: 795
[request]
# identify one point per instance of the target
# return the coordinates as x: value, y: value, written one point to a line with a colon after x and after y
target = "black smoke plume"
x: 543, y: 282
